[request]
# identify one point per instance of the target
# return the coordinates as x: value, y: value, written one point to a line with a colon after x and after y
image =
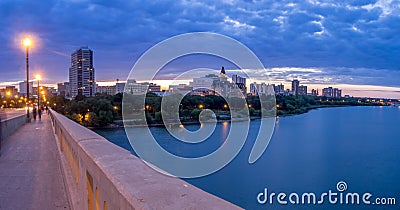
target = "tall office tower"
x: 81, y: 73
x: 295, y: 87
x: 240, y: 82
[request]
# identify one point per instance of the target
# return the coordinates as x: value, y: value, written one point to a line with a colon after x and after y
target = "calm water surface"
x: 311, y: 152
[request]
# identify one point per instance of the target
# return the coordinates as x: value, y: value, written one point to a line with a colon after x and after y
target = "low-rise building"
x: 109, y: 90
x: 302, y: 90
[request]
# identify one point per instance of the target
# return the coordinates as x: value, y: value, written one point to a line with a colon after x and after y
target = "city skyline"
x: 352, y: 90
x: 354, y: 49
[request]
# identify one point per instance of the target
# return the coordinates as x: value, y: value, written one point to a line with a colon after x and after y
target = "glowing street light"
x: 27, y: 42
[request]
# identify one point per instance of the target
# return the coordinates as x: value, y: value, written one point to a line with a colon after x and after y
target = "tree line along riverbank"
x: 104, y: 110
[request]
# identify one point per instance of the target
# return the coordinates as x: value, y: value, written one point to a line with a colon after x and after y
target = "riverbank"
x: 304, y: 110
x: 120, y: 124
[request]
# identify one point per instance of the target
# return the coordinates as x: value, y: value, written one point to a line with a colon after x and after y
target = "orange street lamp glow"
x: 38, y: 77
x: 27, y: 42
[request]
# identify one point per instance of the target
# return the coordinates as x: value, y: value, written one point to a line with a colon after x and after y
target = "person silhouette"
x: 40, y: 113
x: 34, y: 111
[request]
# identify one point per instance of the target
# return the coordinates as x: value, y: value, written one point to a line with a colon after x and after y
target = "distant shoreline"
x: 194, y: 122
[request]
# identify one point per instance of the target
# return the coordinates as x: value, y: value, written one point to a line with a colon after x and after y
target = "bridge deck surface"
x: 30, y: 173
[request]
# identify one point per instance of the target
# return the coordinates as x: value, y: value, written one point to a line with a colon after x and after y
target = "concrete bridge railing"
x: 10, y: 125
x: 101, y: 175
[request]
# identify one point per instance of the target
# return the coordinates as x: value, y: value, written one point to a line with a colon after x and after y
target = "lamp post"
x: 27, y: 43
x: 38, y: 77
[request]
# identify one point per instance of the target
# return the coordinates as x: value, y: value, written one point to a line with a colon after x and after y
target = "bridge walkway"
x: 30, y: 170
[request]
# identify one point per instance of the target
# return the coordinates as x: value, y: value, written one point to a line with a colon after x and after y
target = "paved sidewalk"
x: 30, y: 173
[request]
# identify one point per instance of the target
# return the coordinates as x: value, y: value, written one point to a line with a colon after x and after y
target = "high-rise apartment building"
x: 332, y: 92
x: 81, y: 73
x: 295, y: 87
x: 240, y: 82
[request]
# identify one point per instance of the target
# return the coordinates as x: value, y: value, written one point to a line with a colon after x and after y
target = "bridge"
x: 55, y: 163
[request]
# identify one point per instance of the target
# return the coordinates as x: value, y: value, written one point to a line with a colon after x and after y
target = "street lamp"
x: 38, y: 78
x: 27, y: 42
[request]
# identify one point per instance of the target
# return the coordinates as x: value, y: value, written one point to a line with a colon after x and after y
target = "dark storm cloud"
x: 353, y: 34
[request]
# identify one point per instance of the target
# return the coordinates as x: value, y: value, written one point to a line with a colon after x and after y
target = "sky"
x: 352, y: 44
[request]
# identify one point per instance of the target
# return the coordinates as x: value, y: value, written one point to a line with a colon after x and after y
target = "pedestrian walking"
x: 40, y: 114
x: 47, y: 110
x: 34, y: 112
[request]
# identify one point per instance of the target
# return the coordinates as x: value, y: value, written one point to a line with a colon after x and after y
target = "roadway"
x: 6, y: 113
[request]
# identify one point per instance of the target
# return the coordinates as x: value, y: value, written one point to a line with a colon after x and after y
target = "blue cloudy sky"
x: 349, y: 42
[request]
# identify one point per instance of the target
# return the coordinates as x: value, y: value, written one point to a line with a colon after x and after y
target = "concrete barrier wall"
x: 9, y: 126
x: 101, y: 175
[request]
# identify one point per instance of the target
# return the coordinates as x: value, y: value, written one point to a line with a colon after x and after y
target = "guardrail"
x: 10, y: 125
x: 101, y: 175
